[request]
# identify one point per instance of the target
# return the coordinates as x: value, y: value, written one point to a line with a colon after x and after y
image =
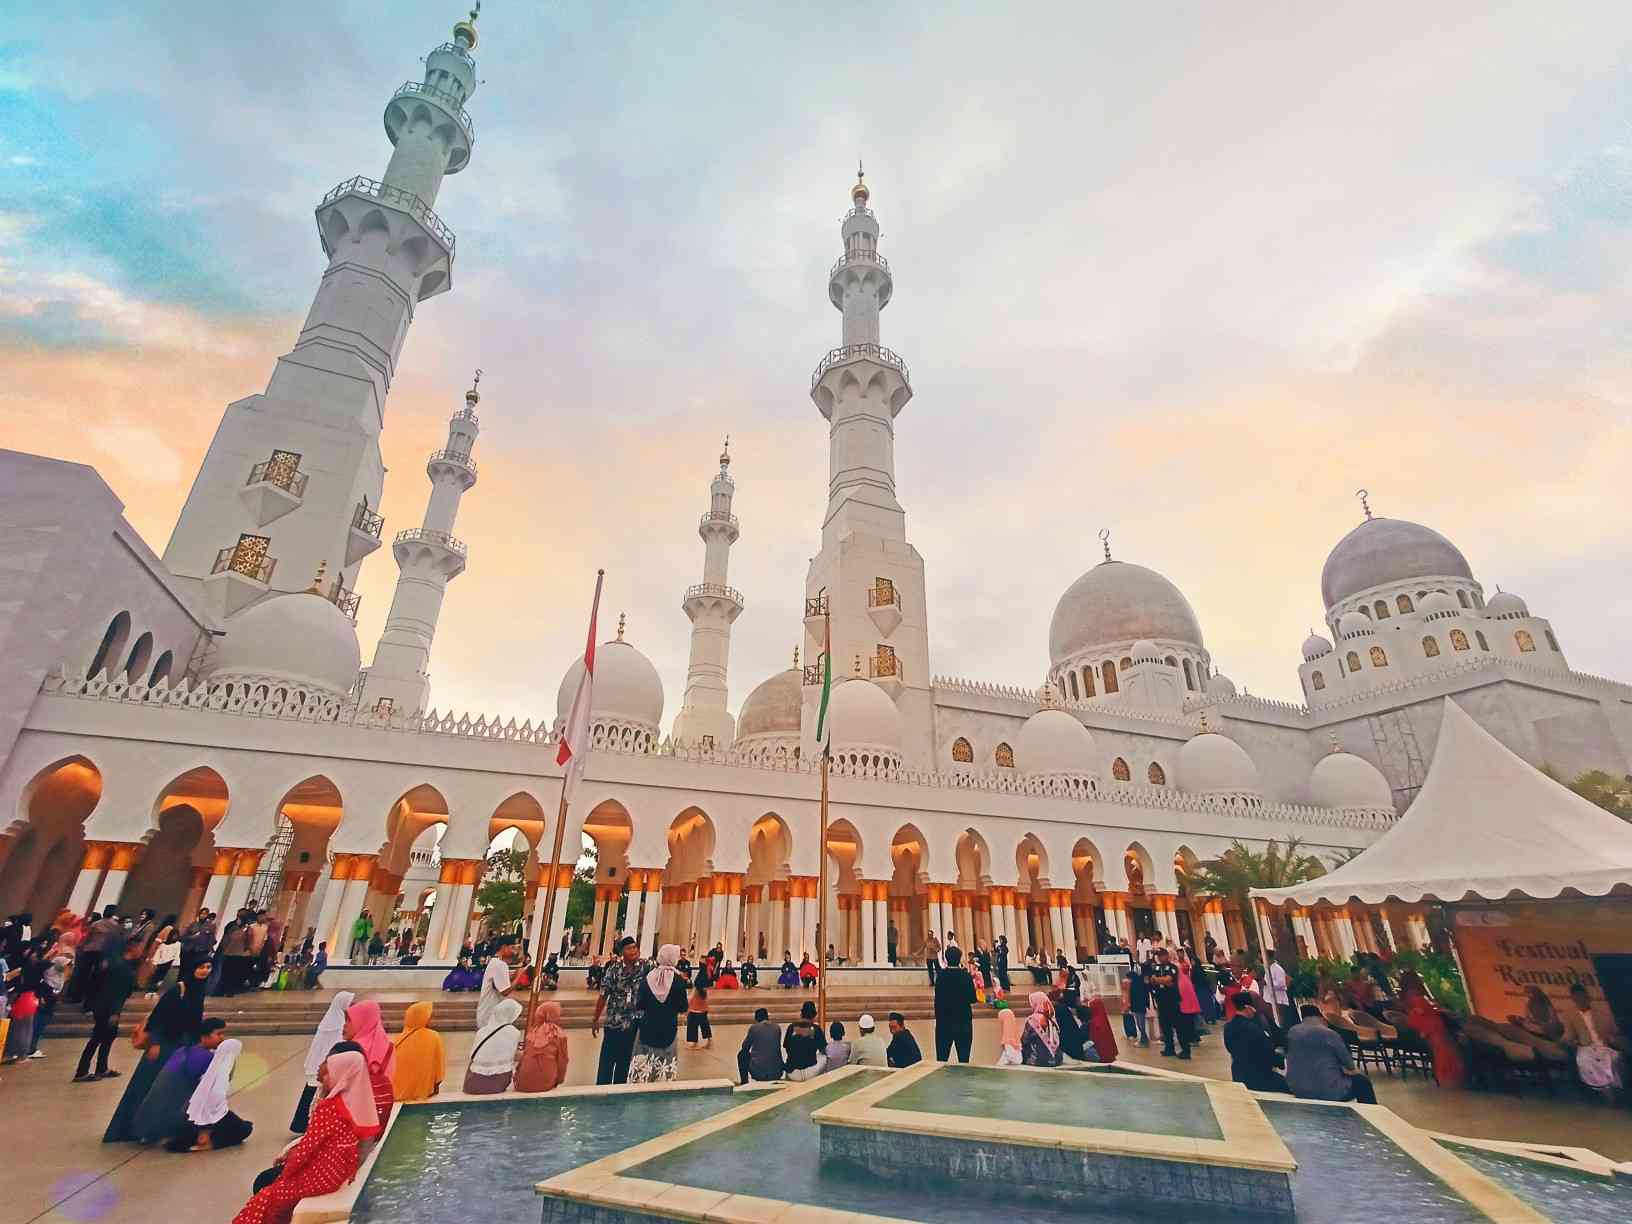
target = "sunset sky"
x: 1173, y: 270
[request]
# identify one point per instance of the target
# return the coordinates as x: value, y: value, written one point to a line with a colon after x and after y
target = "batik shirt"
x: 621, y: 988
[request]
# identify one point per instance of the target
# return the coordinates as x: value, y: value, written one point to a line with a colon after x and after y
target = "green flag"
x: 824, y: 733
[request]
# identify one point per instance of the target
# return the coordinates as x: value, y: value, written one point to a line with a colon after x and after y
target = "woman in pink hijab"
x: 1008, y: 1035
x: 1040, y: 1040
x: 363, y: 1025
x: 543, y: 1063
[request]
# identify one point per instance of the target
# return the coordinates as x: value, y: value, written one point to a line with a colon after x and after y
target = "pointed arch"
x: 522, y: 812
x: 1003, y: 757
x: 1120, y: 771
x: 963, y: 752
x: 1107, y: 672
x: 1140, y: 867
x: 1156, y: 775
x: 48, y: 835
x: 1430, y: 646
x: 1088, y: 680
x: 112, y: 647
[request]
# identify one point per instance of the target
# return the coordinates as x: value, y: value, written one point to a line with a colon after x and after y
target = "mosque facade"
x: 196, y: 728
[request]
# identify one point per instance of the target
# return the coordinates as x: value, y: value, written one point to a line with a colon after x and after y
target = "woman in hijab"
x: 363, y: 1026
x: 543, y: 1064
x: 1008, y: 1035
x: 1072, y: 1034
x: 1100, y: 1032
x: 165, y: 1109
x: 331, y: 1030
x: 420, y: 1062
x: 176, y: 1020
x: 210, y: 1124
x: 661, y: 1002
x: 493, y: 1057
x: 326, y: 1157
x: 1040, y: 1039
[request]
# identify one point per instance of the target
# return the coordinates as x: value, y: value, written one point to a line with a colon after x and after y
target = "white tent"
x: 1485, y: 826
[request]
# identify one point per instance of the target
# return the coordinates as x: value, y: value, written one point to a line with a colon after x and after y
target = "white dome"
x: 1384, y: 551
x: 864, y: 718
x: 1215, y: 764
x: 1352, y: 623
x: 300, y: 638
x: 1119, y: 602
x: 774, y: 707
x: 1343, y: 780
x: 1505, y: 603
x: 1220, y: 686
x: 1437, y: 601
x: 1145, y: 651
x: 1053, y: 742
x: 627, y: 687
x: 1314, y: 646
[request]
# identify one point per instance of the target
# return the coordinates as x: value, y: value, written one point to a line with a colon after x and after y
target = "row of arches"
x: 1079, y: 684
x: 1458, y: 640
x: 1380, y: 609
x: 131, y: 661
x: 963, y: 753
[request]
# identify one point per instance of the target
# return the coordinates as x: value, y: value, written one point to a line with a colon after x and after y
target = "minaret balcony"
x: 446, y: 99
x: 468, y: 416
x: 458, y: 462
x: 348, y: 601
x: 856, y: 259
x: 241, y: 574
x: 447, y: 553
x: 858, y: 267
x: 718, y: 521
x: 884, y: 608
x: 396, y: 197
x: 886, y: 671
x: 274, y: 487
x: 704, y: 596
x: 363, y: 536
x: 816, y: 608
x: 849, y: 353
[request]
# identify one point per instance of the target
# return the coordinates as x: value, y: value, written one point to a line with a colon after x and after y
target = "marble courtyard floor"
x: 58, y: 1170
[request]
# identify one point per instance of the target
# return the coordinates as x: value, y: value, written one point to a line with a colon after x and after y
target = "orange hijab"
x: 543, y: 1063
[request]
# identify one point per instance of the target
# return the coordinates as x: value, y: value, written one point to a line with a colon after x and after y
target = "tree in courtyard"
x: 1240, y: 869
x: 1598, y: 786
x: 581, y: 897
x: 503, y: 893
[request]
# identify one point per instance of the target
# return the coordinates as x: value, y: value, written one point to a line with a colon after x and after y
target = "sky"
x: 1190, y: 273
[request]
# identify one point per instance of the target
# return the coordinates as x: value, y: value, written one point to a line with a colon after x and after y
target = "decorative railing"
x: 366, y: 521
x: 861, y: 210
x: 247, y: 558
x: 449, y: 100
x: 716, y: 516
x: 816, y: 605
x: 425, y: 858
x: 883, y: 597
x: 282, y: 470
x: 812, y: 674
x: 881, y: 667
x: 468, y: 414
x: 716, y: 590
x: 855, y: 352
x: 858, y: 257
x: 397, y: 198
x: 460, y: 458
x: 348, y: 601
x: 426, y: 535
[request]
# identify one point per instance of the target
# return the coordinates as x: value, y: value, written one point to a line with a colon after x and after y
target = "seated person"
x: 1540, y: 1018
x: 748, y: 973
x: 549, y: 977
x: 463, y: 977
x: 1318, y: 1065
x: 1254, y: 1060
x: 728, y: 979
x: 1600, y: 1048
x: 789, y: 977
x: 807, y: 971
x: 594, y: 974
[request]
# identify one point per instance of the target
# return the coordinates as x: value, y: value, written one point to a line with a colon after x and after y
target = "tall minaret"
x: 713, y: 607
x: 871, y: 577
x: 428, y: 557
x: 293, y: 476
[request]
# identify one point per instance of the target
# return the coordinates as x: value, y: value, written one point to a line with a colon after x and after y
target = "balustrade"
x: 397, y: 198
x: 857, y: 352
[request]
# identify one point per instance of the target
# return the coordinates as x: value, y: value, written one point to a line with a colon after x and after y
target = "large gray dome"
x: 774, y: 707
x: 1118, y: 601
x: 1383, y: 551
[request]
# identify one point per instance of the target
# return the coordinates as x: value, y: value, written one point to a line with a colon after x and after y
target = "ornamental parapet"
x: 855, y: 259
x: 448, y: 100
x: 396, y: 197
x: 847, y: 353
x: 713, y: 590
x: 426, y: 535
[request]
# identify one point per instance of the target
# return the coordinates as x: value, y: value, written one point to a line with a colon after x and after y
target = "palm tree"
x: 1240, y: 869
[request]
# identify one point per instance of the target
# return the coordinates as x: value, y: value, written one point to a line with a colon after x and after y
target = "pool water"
x: 479, y: 1160
x: 1142, y: 1105
x: 1564, y: 1194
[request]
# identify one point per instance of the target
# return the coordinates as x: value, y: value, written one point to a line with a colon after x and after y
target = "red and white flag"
x: 574, y: 751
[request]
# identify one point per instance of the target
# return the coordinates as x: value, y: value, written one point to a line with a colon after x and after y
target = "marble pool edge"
x: 332, y: 1208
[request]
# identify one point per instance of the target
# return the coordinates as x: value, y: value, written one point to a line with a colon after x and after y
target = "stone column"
x: 776, y: 929
x: 1302, y: 927
x: 558, y: 919
x: 1416, y: 924
x: 731, y: 940
x: 352, y: 899
x: 1056, y: 926
x: 243, y: 879
x: 1162, y: 908
x: 636, y: 880
x: 1116, y: 914
x: 339, y: 875
x: 1343, y: 926
x: 123, y: 860
x: 869, y: 923
x: 95, y: 861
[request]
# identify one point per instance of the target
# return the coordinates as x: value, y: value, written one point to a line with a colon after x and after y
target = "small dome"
x: 1211, y: 764
x: 1220, y: 686
x: 627, y: 687
x: 1505, y: 603
x: 774, y: 707
x: 1436, y: 601
x: 1343, y: 780
x: 1352, y: 624
x: 1117, y: 601
x: 1383, y: 551
x: 300, y: 638
x: 1314, y: 646
x: 1053, y: 742
x: 1145, y: 651
x: 864, y: 718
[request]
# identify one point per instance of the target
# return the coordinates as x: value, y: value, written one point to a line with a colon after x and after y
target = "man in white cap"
x: 868, y: 1049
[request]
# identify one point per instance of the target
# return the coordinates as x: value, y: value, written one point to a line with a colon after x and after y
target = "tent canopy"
x: 1486, y: 826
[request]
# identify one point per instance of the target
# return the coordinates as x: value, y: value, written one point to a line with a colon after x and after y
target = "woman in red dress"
x: 325, y: 1157
x: 1428, y: 1022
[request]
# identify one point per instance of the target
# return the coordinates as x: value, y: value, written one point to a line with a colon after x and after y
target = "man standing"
x: 105, y: 1000
x: 618, y: 1004
x: 1139, y: 999
x: 891, y: 938
x: 903, y: 1049
x: 1000, y: 963
x: 1277, y: 993
x: 868, y: 1050
x: 495, y: 984
x: 1252, y: 1055
x: 360, y: 931
x: 954, y: 1008
x: 1163, y: 980
x: 932, y: 955
x: 1318, y: 1065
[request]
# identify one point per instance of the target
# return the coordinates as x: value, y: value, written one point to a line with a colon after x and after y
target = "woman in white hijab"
x: 662, y: 1001
x: 331, y: 1030
x: 493, y: 1056
x: 210, y: 1124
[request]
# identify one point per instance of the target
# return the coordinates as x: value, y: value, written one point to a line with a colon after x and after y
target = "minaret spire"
x: 713, y: 607
x: 428, y: 558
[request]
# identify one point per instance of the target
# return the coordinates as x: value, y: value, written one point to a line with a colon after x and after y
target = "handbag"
x: 1128, y: 1027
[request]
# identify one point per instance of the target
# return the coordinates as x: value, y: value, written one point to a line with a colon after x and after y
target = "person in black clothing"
x: 105, y: 1001
x: 1073, y: 1033
x: 903, y: 1049
x: 983, y: 962
x: 748, y: 973
x: 1000, y: 963
x: 954, y: 1003
x: 1253, y: 1058
x: 1139, y: 1001
x: 1163, y: 979
x: 803, y: 1046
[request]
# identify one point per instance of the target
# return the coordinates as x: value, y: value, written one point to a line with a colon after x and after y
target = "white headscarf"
x: 331, y: 1030
x: 661, y: 979
x: 495, y: 1045
x: 208, y: 1104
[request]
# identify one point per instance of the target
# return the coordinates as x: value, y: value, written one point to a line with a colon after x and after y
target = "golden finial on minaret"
x: 622, y: 617
x: 725, y: 453
x: 473, y: 396
x: 467, y: 28
x: 317, y: 583
x: 859, y: 193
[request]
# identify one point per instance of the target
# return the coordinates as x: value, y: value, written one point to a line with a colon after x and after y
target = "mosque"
x: 196, y: 728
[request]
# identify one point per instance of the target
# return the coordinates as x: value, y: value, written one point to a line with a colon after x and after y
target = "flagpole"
x: 546, y: 929
x: 822, y: 965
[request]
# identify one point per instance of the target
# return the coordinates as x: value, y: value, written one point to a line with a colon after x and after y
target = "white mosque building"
x: 196, y: 728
